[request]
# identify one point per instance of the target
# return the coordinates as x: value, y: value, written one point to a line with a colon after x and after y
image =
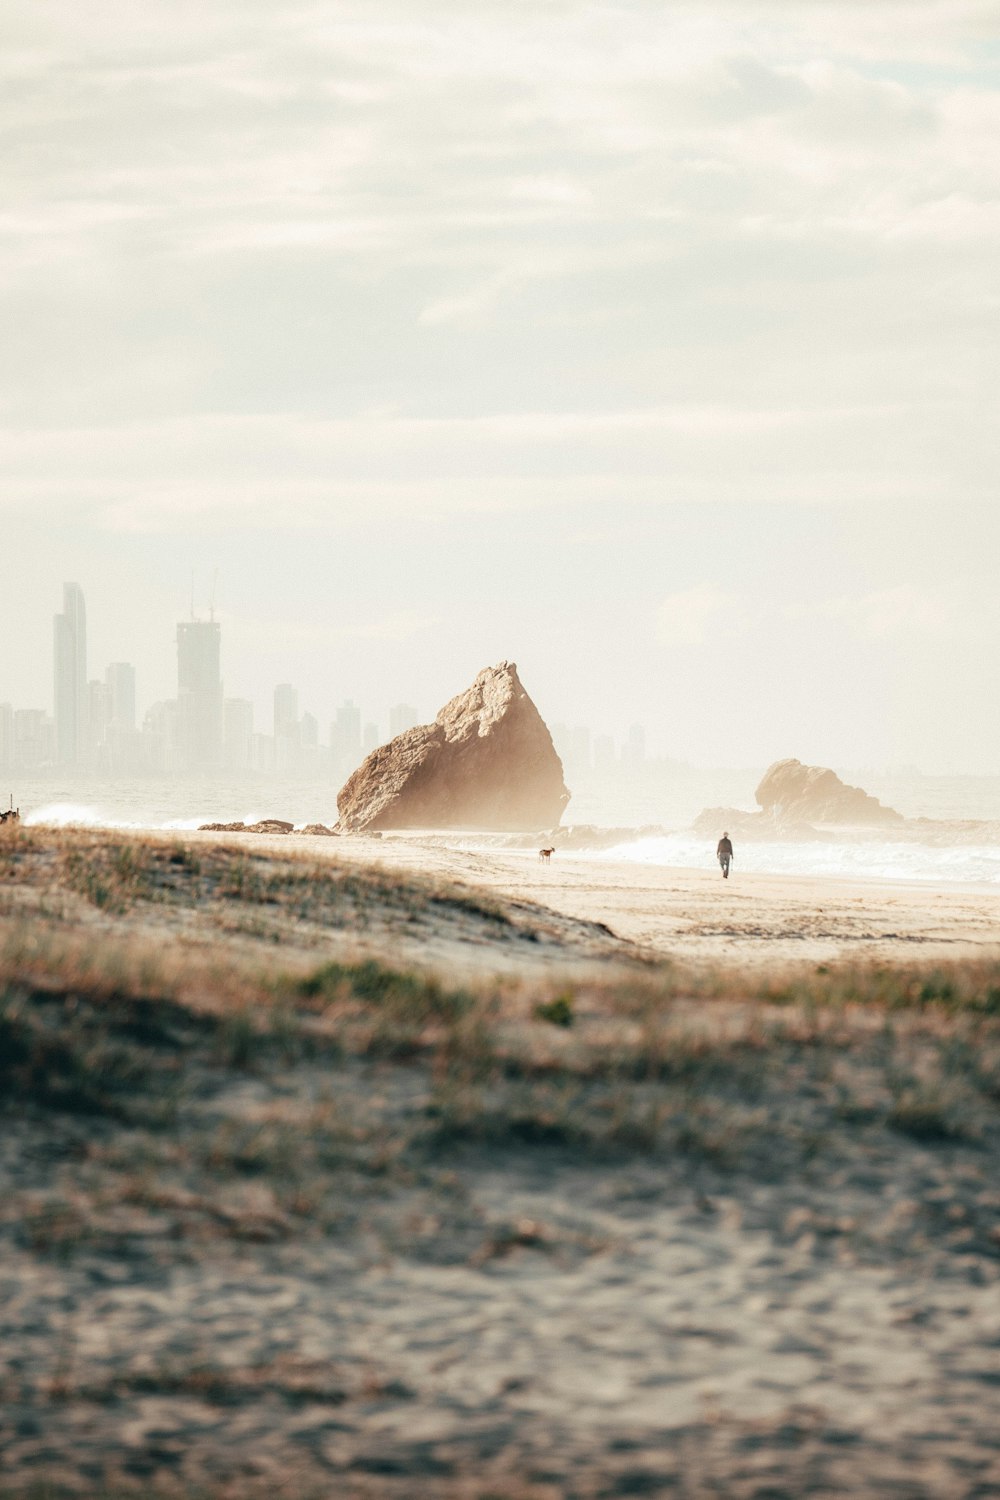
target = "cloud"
x: 904, y: 613
x: 291, y: 473
x: 696, y: 615
x: 395, y: 626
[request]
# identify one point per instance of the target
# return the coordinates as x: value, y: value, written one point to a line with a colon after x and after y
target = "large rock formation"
x: 487, y: 762
x: 793, y: 793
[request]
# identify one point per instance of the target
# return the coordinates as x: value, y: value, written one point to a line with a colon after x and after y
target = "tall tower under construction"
x: 70, y: 671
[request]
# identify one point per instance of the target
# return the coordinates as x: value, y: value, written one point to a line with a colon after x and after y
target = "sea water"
x: 660, y: 807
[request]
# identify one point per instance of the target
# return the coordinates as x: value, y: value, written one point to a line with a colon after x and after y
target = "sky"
x: 651, y: 346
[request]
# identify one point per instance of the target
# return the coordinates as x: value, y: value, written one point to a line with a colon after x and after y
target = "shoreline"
x: 465, y: 841
x: 693, y: 915
x: 765, y: 922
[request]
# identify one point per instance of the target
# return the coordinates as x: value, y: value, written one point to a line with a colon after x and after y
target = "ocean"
x: 654, y: 812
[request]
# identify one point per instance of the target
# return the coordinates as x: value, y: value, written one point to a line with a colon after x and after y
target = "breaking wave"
x: 969, y: 864
x: 78, y: 815
x: 73, y: 815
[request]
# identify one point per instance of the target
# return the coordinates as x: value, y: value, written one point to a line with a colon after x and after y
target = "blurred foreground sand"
x: 275, y: 1227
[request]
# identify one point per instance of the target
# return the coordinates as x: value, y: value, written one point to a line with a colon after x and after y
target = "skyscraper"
x: 199, y: 694
x: 70, y: 661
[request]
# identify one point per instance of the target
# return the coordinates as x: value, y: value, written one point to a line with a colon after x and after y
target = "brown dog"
x: 546, y: 854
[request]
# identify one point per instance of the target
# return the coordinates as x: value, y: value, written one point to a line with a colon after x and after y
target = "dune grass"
x: 639, y: 1061
x: 113, y: 1021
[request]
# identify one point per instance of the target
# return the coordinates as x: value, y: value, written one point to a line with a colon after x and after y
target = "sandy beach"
x: 696, y: 917
x: 399, y: 1171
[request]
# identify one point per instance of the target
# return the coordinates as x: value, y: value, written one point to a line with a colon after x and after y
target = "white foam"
x: 73, y: 815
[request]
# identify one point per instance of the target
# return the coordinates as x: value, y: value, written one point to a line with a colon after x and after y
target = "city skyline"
x: 94, y: 724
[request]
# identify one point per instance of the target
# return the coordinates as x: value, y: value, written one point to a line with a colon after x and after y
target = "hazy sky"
x: 651, y: 345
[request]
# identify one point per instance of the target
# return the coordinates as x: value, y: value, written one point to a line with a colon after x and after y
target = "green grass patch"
x: 558, y: 1011
x: 405, y: 993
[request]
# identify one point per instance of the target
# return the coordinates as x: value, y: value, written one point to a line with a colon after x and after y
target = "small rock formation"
x: 793, y: 793
x: 487, y: 762
x: 267, y: 825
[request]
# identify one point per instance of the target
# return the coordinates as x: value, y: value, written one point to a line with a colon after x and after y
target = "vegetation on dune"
x: 961, y: 986
x: 639, y: 1062
x: 749, y: 1073
x: 418, y: 996
x: 118, y: 874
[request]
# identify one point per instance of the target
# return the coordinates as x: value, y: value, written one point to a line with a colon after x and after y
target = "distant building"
x: 120, y: 681
x: 309, y: 732
x: 70, y: 674
x: 98, y: 718
x: 286, y: 727
x: 402, y: 716
x: 120, y: 747
x: 199, y: 694
x: 370, y: 739
x: 345, y: 737
x: 34, y: 739
x: 161, y: 737
x: 286, y: 710
x: 237, y: 734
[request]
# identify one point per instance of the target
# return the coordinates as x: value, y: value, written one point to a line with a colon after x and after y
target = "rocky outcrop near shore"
x: 795, y: 801
x: 487, y: 762
x: 266, y: 825
x: 790, y: 792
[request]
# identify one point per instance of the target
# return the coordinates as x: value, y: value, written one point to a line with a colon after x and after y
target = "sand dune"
x: 695, y: 916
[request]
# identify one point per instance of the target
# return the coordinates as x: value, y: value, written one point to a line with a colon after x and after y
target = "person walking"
x: 724, y: 854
